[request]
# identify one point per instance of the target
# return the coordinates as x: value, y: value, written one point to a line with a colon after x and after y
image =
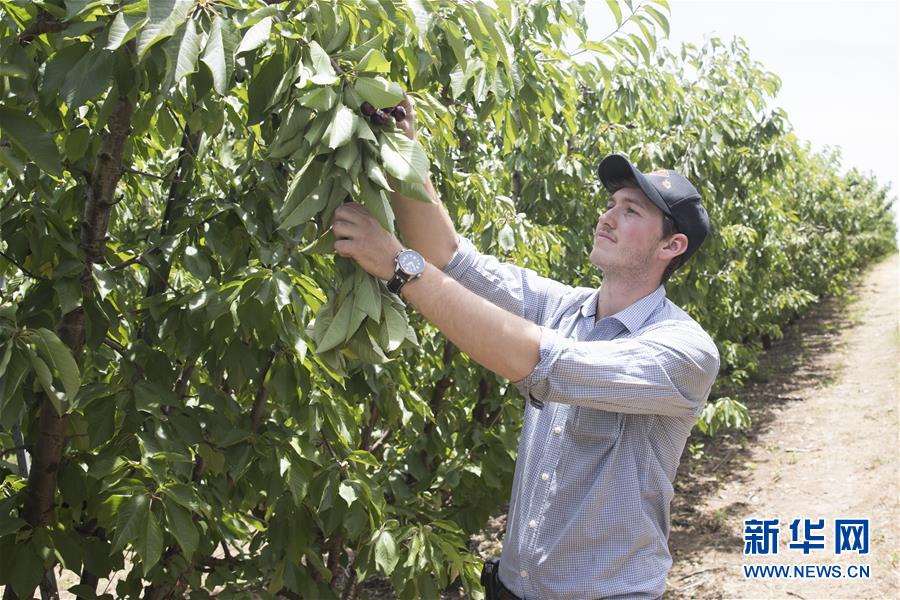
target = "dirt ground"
x: 823, y: 445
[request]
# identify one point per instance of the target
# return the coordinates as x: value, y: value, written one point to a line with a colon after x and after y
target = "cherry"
x: 379, y: 117
x: 367, y: 109
x: 399, y: 113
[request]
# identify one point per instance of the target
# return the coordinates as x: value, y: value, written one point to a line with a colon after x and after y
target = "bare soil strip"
x: 823, y: 445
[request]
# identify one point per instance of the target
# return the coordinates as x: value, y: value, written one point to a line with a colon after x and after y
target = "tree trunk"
x: 39, y: 504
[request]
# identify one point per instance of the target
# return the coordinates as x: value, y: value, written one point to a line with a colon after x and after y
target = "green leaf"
x: 76, y: 7
x: 415, y: 190
x: 500, y: 42
x: 197, y: 263
x: 507, y: 238
x: 368, y: 297
x: 373, y: 170
x: 378, y: 91
x: 395, y: 326
x: 347, y: 157
x: 163, y: 19
x: 25, y: 567
x: 218, y: 54
x: 374, y: 62
x: 68, y: 291
x: 89, y: 78
x: 357, y: 53
x: 386, y: 555
x: 45, y: 378
x: 60, y: 358
x: 288, y: 138
x: 12, y: 162
x: 123, y: 28
x: 256, y: 36
x: 455, y: 37
x: 15, y: 373
x: 404, y: 158
x: 364, y: 457
x: 149, y: 544
x: 641, y: 46
x: 262, y: 86
x: 299, y: 475
x: 181, y: 526
x: 377, y: 202
x: 32, y: 139
x: 77, y: 143
x: 320, y: 98
x: 341, y: 129
x: 659, y: 17
x: 337, y: 330
x: 131, y: 520
x: 14, y: 71
x: 188, y: 53
x: 347, y: 492
x: 616, y: 10
x: 309, y: 207
x: 323, y: 71
x: 7, y: 356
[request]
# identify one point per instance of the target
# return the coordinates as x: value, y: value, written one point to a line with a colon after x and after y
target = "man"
x: 615, y: 376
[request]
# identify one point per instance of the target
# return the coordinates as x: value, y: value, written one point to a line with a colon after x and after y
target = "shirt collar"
x: 632, y: 316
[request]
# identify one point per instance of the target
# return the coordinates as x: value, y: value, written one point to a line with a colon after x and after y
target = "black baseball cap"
x: 669, y: 191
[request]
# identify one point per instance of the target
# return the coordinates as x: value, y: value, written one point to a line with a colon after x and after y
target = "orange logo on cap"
x: 667, y: 184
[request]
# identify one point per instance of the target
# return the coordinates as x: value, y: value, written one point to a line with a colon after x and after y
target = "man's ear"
x: 674, y: 246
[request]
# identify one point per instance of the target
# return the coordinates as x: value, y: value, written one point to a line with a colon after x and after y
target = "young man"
x: 615, y: 376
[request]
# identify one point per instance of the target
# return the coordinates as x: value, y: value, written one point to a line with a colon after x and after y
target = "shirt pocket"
x: 591, y: 424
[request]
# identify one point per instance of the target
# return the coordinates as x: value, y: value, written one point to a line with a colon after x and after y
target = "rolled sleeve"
x: 666, y: 371
x: 516, y: 289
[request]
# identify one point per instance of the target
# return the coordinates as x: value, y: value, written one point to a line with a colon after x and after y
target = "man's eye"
x: 631, y: 210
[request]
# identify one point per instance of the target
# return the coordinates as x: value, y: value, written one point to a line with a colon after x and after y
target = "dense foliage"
x: 207, y: 398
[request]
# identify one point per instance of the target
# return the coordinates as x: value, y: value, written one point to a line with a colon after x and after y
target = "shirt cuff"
x: 536, y: 386
x: 463, y: 258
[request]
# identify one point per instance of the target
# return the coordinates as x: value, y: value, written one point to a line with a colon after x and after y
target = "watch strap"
x: 396, y: 283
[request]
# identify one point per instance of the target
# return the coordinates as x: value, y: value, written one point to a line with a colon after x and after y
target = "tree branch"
x: 176, y: 205
x: 261, y: 394
x: 21, y: 268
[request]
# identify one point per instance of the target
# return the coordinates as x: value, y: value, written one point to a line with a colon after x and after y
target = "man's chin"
x: 598, y: 260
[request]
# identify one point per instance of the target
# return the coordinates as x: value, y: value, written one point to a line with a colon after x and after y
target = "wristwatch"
x: 408, y: 264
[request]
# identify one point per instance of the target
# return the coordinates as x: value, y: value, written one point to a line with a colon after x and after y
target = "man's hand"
x: 358, y: 235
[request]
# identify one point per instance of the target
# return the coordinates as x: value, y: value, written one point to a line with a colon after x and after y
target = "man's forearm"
x: 426, y: 227
x: 493, y: 337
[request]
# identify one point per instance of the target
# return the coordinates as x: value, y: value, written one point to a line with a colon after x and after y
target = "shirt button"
x: 523, y: 573
x: 557, y: 430
x: 532, y: 523
x: 545, y: 476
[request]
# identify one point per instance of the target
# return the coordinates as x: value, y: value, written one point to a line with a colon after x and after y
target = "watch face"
x: 411, y: 262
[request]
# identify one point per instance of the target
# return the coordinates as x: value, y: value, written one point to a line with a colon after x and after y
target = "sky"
x: 839, y: 64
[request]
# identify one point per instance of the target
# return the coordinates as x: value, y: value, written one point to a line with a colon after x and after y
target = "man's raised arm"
x: 424, y: 227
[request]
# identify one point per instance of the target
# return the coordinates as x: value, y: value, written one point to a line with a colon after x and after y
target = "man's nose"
x: 606, y: 218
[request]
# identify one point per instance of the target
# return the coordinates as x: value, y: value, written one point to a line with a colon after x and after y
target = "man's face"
x: 628, y: 235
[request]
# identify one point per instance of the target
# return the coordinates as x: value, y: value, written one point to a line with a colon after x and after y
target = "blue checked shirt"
x: 611, y: 404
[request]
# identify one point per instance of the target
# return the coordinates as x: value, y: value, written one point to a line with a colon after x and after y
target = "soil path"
x: 823, y: 445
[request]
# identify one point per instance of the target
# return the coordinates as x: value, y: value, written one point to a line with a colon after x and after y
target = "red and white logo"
x: 666, y: 184
x: 659, y: 173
